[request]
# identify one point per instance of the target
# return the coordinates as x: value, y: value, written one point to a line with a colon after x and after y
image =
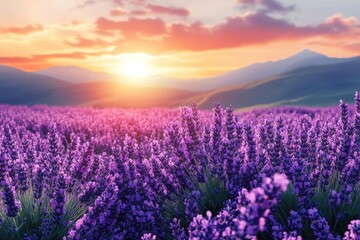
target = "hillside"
x: 309, y: 86
x: 20, y: 87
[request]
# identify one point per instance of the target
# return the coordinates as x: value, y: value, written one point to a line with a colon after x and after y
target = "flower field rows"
x: 80, y: 173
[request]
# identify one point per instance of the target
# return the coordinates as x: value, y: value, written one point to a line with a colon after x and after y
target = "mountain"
x: 307, y: 78
x: 320, y: 85
x: 20, y: 87
x: 250, y: 73
x: 243, y: 75
x: 26, y: 88
x: 75, y: 74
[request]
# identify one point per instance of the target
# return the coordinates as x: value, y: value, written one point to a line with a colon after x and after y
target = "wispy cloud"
x: 83, y: 42
x: 133, y: 27
x: 28, y: 29
x: 158, y: 9
x: 267, y: 5
x: 86, y: 3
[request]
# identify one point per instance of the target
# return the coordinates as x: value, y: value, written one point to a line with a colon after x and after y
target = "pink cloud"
x: 133, y: 27
x: 121, y: 12
x: 82, y: 42
x: 251, y: 29
x: 341, y: 24
x: 15, y: 60
x: 138, y: 12
x: 22, y: 30
x: 41, y: 60
x: 118, y: 12
x: 239, y: 31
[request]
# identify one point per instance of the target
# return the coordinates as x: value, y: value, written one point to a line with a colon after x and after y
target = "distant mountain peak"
x: 67, y: 68
x: 8, y: 69
x: 75, y: 74
x: 307, y: 53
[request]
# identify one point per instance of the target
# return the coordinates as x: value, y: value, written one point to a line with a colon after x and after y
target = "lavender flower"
x: 290, y: 237
x: 334, y: 199
x: 319, y: 225
x: 203, y: 228
x: 191, y: 205
x: 58, y: 199
x: 357, y: 122
x: 3, y: 167
x: 295, y: 222
x: 23, y: 180
x: 247, y: 218
x: 12, y: 205
x: 9, y: 144
x: 30, y: 237
x: 276, y: 228
x: 217, y: 130
x: 38, y: 183
x: 46, y: 227
x: 97, y: 222
x: 148, y: 236
x: 354, y: 231
x: 302, y: 184
x: 177, y: 231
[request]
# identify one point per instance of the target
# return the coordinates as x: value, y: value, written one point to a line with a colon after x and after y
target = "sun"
x: 136, y: 67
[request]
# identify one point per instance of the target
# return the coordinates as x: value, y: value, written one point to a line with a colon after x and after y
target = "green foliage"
x: 288, y: 202
x: 349, y: 211
x: 213, y: 195
x: 32, y: 214
x: 321, y: 201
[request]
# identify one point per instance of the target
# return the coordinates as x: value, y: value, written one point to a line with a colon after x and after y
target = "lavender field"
x: 82, y: 173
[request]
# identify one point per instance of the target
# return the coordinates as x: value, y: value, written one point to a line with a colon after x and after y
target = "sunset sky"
x: 178, y: 38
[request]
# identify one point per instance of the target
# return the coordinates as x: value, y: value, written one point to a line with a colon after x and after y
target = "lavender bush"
x: 82, y: 173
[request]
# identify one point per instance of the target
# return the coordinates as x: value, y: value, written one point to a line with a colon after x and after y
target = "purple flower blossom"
x: 38, y: 182
x: 177, y: 231
x: 247, y: 218
x: 354, y: 231
x: 23, y: 181
x: 12, y: 205
x: 148, y: 236
x: 319, y: 225
x: 276, y: 228
x: 290, y: 237
x: 46, y: 227
x: 191, y: 205
x: 334, y: 199
x: 97, y: 222
x: 295, y: 222
x: 203, y: 228
x: 30, y: 237
x: 58, y: 199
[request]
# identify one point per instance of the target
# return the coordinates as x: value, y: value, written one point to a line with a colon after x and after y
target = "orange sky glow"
x: 180, y: 38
